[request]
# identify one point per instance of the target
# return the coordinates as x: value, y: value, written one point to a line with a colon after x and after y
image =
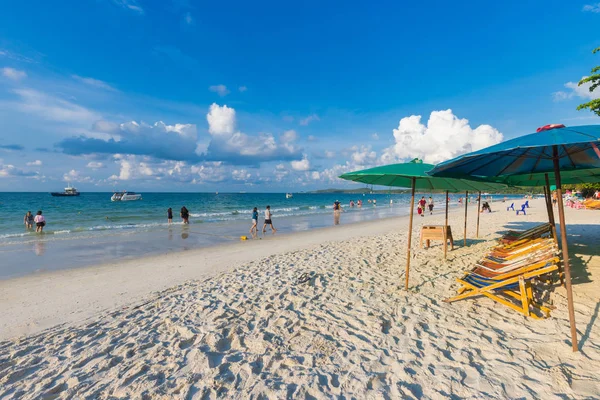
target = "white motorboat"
x: 289, y: 195
x: 125, y: 196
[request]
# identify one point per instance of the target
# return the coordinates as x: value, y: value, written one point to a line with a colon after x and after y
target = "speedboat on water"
x: 69, y: 192
x: 125, y: 196
x: 289, y: 195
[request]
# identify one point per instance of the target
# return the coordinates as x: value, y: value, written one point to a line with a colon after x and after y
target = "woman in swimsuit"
x: 28, y: 220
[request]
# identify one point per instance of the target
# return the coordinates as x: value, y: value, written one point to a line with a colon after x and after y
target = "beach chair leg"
x: 561, y: 275
x: 524, y: 297
x: 445, y: 243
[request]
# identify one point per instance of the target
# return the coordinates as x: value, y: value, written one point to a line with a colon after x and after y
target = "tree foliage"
x: 594, y: 79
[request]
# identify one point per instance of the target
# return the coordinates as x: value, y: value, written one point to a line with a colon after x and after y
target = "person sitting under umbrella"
x: 486, y: 207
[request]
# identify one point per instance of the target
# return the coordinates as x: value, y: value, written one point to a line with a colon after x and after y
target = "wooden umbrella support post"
x: 478, y: 212
x: 548, y: 195
x: 410, y: 223
x: 446, y: 229
x: 551, y: 212
x: 466, y: 210
x: 565, y: 250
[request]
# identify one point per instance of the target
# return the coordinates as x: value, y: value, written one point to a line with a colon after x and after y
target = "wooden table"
x: 437, y: 232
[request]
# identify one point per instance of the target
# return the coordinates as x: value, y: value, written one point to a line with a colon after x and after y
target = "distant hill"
x: 510, y: 190
x: 361, y: 191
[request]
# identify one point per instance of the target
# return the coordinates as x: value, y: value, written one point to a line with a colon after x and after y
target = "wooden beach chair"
x: 591, y: 204
x: 512, y: 289
x: 527, y: 233
x: 500, y: 255
x: 492, y: 270
x: 515, y: 238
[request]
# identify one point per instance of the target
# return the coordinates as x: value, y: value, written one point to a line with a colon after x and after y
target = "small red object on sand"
x: 548, y: 127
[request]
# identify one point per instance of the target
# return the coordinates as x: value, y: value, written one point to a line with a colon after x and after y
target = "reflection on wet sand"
x: 336, y: 217
x: 39, y: 248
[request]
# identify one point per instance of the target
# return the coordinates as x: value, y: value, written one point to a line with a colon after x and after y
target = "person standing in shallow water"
x: 170, y: 215
x: 40, y: 222
x: 185, y: 215
x: 28, y: 220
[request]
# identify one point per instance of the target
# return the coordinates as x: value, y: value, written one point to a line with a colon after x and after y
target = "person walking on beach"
x: 185, y: 215
x: 170, y: 215
x: 40, y: 222
x: 254, y: 227
x: 28, y: 220
x: 422, y: 204
x: 268, y: 221
x: 430, y: 205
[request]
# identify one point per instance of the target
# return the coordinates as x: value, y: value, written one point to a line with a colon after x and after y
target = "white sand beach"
x: 232, y: 321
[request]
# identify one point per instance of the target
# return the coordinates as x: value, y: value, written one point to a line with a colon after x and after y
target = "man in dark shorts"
x: 268, y: 220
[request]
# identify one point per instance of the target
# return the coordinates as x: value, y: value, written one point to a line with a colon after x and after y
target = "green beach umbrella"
x: 414, y: 175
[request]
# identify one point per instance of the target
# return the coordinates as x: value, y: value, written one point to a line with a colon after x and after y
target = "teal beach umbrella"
x: 555, y: 151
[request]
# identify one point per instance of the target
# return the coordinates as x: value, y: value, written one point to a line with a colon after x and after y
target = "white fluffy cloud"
x: 221, y: 90
x: 35, y: 163
x: 444, y: 137
x: 301, y: 165
x: 582, y: 91
x: 221, y: 120
x: 240, y: 175
x: 363, y: 155
x: 232, y: 146
x: 75, y: 176
x: 13, y: 74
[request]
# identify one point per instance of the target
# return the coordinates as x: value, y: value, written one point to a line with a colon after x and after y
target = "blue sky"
x: 179, y: 95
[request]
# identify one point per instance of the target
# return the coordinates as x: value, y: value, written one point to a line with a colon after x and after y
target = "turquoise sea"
x: 90, y: 229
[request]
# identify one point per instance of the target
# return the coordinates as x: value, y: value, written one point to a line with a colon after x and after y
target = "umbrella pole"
x: 466, y: 209
x: 565, y: 250
x: 410, y: 223
x: 478, y: 212
x: 551, y: 215
x: 446, y: 229
x: 547, y: 191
